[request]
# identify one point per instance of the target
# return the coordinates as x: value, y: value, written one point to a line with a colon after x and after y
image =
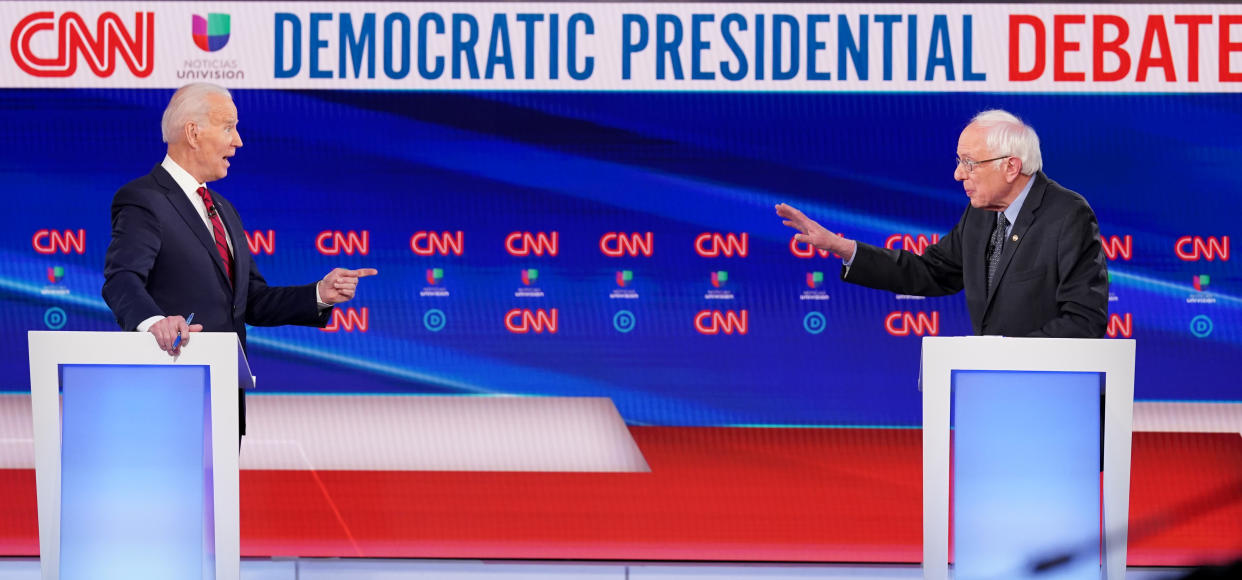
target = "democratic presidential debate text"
x: 607, y: 47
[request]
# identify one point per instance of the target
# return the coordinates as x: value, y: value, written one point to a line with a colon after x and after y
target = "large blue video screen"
x: 624, y: 244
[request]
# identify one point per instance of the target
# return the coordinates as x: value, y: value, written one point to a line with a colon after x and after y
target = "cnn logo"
x: 618, y: 244
x: 717, y: 322
x: 443, y: 243
x: 1195, y: 248
x: 804, y: 250
x: 348, y: 320
x: 73, y: 39
x: 907, y: 323
x: 524, y: 320
x: 1120, y: 325
x: 335, y: 242
x: 1118, y: 247
x: 261, y: 242
x: 52, y: 241
x: 915, y: 244
x: 526, y: 243
x: 714, y: 245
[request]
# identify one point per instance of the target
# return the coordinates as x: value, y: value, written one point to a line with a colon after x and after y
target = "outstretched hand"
x: 340, y: 284
x: 810, y: 232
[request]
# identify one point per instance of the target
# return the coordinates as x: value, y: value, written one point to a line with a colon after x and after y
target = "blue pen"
x: 177, y: 341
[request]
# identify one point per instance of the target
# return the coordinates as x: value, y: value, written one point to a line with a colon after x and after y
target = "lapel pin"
x: 1015, y: 237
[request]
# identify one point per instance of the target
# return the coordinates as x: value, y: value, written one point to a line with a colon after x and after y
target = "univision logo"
x: 55, y: 274
x: 211, y: 33
x: 814, y: 280
x: 1201, y: 281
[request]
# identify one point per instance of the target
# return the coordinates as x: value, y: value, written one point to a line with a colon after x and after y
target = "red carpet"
x: 848, y: 495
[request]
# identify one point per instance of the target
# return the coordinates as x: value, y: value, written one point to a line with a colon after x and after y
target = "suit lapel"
x: 193, y: 221
x: 1017, y: 234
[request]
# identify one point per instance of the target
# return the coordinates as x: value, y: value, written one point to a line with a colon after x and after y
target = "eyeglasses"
x: 971, y: 164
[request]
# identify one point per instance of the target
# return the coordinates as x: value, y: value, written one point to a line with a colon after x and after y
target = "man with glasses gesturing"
x: 1026, y: 251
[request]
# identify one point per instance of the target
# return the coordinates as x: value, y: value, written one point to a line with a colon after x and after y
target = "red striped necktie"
x: 217, y: 230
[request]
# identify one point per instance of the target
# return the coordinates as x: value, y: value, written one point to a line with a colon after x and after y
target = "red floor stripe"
x: 713, y: 494
x: 336, y: 512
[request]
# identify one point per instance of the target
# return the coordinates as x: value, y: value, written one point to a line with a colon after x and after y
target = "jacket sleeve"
x: 1082, y: 271
x: 938, y: 272
x: 129, y: 259
x: 280, y: 305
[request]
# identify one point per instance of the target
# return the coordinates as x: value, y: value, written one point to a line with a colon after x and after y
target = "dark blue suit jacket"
x: 1053, y: 279
x: 163, y: 262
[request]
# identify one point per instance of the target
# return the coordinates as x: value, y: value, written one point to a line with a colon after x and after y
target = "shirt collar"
x: 183, y: 178
x: 1015, y: 208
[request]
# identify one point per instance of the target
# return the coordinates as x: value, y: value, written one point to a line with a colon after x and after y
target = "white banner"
x: 608, y: 47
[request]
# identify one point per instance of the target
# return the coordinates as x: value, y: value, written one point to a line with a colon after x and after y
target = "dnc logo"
x: 211, y: 33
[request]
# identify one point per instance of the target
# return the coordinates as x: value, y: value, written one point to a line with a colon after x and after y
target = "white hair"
x: 188, y: 104
x: 1008, y: 135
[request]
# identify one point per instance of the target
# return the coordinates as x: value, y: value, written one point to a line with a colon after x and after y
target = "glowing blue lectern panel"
x: 133, y: 484
x: 1026, y: 472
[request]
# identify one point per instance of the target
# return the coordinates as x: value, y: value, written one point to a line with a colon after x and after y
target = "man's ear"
x: 190, y: 129
x: 1013, y: 168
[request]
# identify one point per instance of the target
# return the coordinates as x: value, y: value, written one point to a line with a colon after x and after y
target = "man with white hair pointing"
x: 1026, y: 251
x: 179, y: 248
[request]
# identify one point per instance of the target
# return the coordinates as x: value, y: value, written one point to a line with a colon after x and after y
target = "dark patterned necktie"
x: 217, y: 231
x: 995, y: 246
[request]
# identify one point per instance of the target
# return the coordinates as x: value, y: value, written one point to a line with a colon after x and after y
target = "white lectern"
x: 1026, y: 455
x: 136, y: 468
